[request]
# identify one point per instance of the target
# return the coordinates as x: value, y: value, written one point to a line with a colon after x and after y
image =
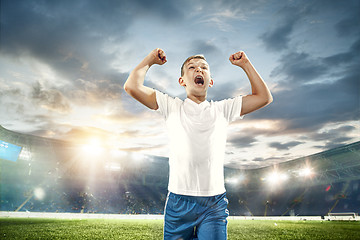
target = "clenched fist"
x: 157, y: 56
x: 239, y: 59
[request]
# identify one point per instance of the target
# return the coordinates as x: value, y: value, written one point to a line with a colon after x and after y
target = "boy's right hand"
x: 157, y: 56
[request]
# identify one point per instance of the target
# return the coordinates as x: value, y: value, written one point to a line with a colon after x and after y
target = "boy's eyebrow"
x: 202, y: 63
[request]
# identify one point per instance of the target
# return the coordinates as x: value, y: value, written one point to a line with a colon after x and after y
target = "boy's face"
x: 196, y: 78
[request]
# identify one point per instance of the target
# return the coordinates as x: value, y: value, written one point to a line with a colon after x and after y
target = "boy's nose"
x: 198, y: 69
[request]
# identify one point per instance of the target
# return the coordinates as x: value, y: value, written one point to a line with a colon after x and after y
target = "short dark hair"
x: 198, y: 56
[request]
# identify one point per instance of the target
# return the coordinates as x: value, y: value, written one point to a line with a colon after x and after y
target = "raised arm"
x: 134, y: 85
x: 261, y: 95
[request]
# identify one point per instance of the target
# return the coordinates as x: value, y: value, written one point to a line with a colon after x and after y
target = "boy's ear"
x: 211, y: 83
x: 182, y: 82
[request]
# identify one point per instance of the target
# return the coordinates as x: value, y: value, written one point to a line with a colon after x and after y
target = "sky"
x: 63, y: 65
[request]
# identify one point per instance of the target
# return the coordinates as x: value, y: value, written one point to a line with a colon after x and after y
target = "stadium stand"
x: 57, y: 176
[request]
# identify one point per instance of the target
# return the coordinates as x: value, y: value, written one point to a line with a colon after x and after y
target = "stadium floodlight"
x: 231, y: 180
x: 234, y: 180
x: 39, y: 193
x: 306, y: 172
x: 276, y: 178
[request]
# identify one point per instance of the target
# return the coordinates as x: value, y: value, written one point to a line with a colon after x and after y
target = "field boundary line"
x: 6, y: 214
x: 78, y: 215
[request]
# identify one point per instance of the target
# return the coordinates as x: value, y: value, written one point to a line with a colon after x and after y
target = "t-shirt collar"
x: 202, y: 104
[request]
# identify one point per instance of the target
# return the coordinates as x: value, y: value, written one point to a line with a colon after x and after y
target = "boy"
x: 196, y: 206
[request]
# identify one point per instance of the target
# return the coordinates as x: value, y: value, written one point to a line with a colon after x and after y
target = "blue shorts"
x: 190, y: 217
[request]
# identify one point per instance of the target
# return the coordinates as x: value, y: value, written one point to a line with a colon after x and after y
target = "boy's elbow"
x: 128, y: 89
x: 269, y: 99
x: 134, y: 91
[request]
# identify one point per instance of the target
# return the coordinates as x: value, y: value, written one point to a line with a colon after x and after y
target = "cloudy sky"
x: 63, y: 65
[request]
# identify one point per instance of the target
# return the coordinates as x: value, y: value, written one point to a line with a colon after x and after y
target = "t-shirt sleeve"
x: 164, y: 101
x: 232, y: 108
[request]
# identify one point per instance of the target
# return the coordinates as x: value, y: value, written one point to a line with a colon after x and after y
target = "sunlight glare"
x: 94, y: 147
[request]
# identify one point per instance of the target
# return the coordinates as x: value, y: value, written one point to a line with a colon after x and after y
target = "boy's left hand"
x: 239, y: 59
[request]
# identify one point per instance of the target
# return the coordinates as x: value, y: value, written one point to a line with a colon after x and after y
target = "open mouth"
x: 199, y: 80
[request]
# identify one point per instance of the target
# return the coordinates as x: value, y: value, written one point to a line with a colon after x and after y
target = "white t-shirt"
x: 197, y: 135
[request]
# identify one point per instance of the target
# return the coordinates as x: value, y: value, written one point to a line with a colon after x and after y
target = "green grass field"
x: 37, y: 228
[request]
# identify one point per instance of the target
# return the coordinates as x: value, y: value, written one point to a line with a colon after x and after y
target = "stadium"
x: 48, y: 178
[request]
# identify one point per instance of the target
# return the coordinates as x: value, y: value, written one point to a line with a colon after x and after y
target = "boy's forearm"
x: 137, y: 76
x: 258, y: 86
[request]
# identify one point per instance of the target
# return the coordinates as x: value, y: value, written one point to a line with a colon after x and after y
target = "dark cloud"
x: 168, y: 11
x: 16, y: 106
x: 50, y: 99
x: 316, y: 91
x: 349, y: 25
x: 257, y: 162
x: 284, y: 146
x: 335, y: 133
x: 337, y: 142
x: 69, y: 36
x: 345, y: 57
x: 313, y: 91
x: 310, y: 108
x: 60, y: 24
x: 97, y: 91
x: 258, y: 159
x: 203, y: 47
x: 242, y: 141
x: 334, y: 137
x: 48, y: 27
x: 299, y: 68
x: 39, y: 121
x: 278, y: 36
x: 15, y: 92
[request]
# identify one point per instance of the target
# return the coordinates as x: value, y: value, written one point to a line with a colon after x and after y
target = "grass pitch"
x: 37, y: 228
